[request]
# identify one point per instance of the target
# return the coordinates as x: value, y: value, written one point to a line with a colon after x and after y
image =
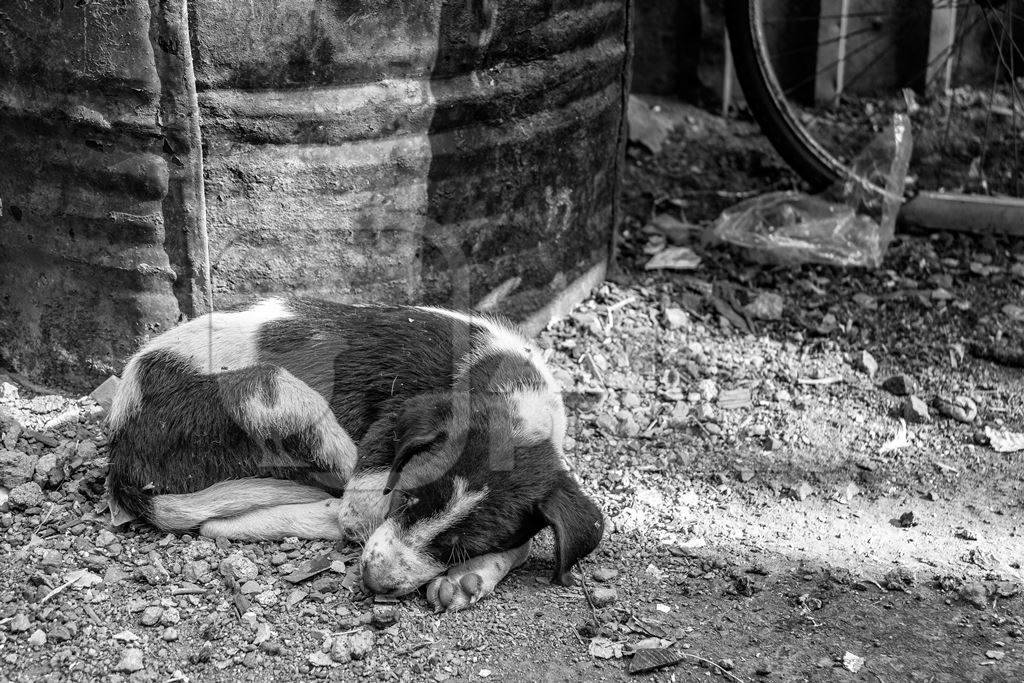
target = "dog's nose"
x: 376, y: 581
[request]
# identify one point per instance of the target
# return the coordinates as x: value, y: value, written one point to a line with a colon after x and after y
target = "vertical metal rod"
x: 844, y: 21
x: 727, y: 77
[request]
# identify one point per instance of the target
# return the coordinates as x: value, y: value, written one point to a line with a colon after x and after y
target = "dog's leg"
x: 355, y: 515
x: 271, y: 404
x: 467, y: 583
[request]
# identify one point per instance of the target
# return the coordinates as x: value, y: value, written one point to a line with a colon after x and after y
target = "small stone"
x: 16, y: 468
x: 605, y: 574
x: 151, y: 615
x: 783, y: 395
x: 25, y: 496
x: 852, y: 662
x: 745, y: 475
x: 46, y: 462
x: 196, y: 571
x: 867, y: 364
x: 603, y: 596
x: 240, y: 567
x: 607, y: 423
x: 907, y: 520
x: 915, y: 410
x: 899, y: 385
x: 170, y: 634
x: 48, y: 403
x: 154, y: 573
x: 170, y: 616
x: 19, y: 623
x: 802, y: 491
x: 995, y: 654
x: 37, y: 639
x: 361, y: 643
x: 60, y: 634
x: 975, y: 594
x: 105, y: 538
x: 131, y: 661
x: 708, y: 389
x: 676, y: 318
x: 251, y: 588
x: 765, y: 306
x: 960, y: 408
x: 267, y: 598
x: 772, y: 443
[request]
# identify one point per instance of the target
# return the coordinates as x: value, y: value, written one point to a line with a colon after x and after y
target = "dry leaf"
x: 1005, y: 442
x: 674, y: 258
x: 602, y: 648
x: 898, y: 441
x: 852, y: 662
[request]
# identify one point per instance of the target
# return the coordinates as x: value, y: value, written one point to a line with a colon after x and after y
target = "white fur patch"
x: 182, y: 511
x: 298, y: 407
x: 540, y: 416
x: 214, y: 342
x: 363, y: 505
x: 310, y: 520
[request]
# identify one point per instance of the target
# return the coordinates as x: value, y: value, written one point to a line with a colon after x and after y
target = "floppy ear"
x: 577, y: 523
x: 420, y: 423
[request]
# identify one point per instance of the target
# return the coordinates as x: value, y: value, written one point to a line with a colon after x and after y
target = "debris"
x: 603, y: 596
x: 847, y: 493
x: 674, y: 258
x: 852, y: 662
x: 801, y: 491
x: 765, y: 306
x: 907, y: 520
x: 645, y: 126
x: 676, y: 318
x: 708, y: 389
x: 651, y: 659
x: 131, y: 661
x: 104, y: 393
x: 899, y: 385
x: 915, y: 410
x: 1002, y: 442
x: 603, y: 648
x: 966, y: 534
x: 675, y: 231
x: 959, y: 408
x: 821, y: 381
x: 731, y: 399
x: 867, y: 364
x: 898, y: 441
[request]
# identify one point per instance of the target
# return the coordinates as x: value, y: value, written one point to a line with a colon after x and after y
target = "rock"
x: 104, y: 393
x: 48, y: 403
x: 607, y: 423
x: 605, y: 574
x: 19, y: 623
x: 771, y: 443
x: 907, y: 520
x: 360, y: 643
x: 801, y: 491
x: 60, y: 634
x: 646, y: 127
x: 154, y: 573
x: 25, y: 496
x: 16, y: 468
x: 151, y: 615
x: 674, y: 258
x: 852, y: 662
x: 915, y: 410
x: 384, y: 615
x: 867, y: 364
x: 676, y: 318
x: 170, y: 616
x: 86, y: 450
x: 603, y: 596
x: 995, y: 654
x: 131, y: 661
x: 197, y: 571
x: 341, y: 652
x: 45, y: 463
x: 267, y: 598
x: 651, y: 659
x: 732, y: 399
x: 170, y: 634
x: 37, y: 639
x: 975, y: 594
x: 899, y: 385
x: 708, y: 389
x: 105, y: 538
x: 960, y: 408
x: 765, y: 306
x: 240, y: 567
x: 8, y: 392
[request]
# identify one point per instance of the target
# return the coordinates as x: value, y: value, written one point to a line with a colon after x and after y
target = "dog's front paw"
x: 456, y: 590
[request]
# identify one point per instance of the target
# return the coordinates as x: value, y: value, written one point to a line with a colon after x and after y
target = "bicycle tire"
x: 767, y: 101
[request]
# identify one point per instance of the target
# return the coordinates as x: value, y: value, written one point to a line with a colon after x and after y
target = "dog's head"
x: 474, y: 473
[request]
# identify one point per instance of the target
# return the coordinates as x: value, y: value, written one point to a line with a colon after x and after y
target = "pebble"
x: 867, y: 364
x: 170, y: 616
x: 603, y: 596
x: 605, y: 574
x: 131, y: 661
x: 915, y: 410
x: 170, y: 634
x: 960, y: 408
x: 16, y: 468
x: 37, y: 639
x: 151, y: 615
x: 361, y: 643
x: 19, y: 623
x: 60, y: 633
x: 240, y: 567
x: 105, y: 538
x: 385, y: 614
x: 26, y: 495
x: 708, y: 389
x: 765, y: 306
x: 675, y: 318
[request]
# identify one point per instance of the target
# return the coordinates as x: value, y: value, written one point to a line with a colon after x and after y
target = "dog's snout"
x: 376, y: 581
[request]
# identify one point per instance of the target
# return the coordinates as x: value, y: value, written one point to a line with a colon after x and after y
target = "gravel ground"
x: 778, y: 509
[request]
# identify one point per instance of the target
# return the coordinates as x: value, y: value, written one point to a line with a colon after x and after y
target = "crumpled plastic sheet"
x: 790, y: 228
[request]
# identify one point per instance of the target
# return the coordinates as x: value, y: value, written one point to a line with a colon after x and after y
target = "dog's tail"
x: 183, y: 511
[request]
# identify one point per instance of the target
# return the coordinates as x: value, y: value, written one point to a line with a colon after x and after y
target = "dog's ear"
x: 578, y: 525
x: 420, y: 423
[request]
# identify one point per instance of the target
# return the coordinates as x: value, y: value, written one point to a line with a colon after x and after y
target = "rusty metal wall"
x: 425, y: 150
x: 100, y: 220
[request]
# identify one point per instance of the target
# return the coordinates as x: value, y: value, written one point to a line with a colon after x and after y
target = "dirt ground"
x: 766, y: 522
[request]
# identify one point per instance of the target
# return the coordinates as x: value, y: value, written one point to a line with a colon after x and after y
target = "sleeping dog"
x: 433, y: 437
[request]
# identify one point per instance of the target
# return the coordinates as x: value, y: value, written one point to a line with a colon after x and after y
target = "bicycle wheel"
x: 823, y: 77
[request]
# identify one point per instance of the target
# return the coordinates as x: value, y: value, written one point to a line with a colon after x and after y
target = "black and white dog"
x: 433, y: 436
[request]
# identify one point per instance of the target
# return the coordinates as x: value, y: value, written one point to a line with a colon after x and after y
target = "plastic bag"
x: 792, y: 227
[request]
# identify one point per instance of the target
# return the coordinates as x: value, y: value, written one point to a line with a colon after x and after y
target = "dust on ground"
x: 775, y: 514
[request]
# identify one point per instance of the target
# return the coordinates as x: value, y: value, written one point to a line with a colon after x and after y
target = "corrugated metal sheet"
x: 408, y: 151
x: 84, y: 183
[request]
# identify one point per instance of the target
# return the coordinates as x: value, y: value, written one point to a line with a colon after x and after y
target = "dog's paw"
x: 456, y: 590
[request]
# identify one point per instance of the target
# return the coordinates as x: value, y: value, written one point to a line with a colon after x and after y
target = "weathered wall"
x: 423, y: 150
x: 98, y: 173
